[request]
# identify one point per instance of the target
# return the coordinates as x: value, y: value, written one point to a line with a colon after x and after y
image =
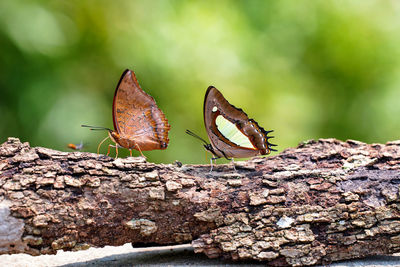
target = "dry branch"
x: 321, y: 202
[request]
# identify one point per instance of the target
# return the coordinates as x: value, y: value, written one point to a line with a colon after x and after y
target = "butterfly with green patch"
x: 232, y: 134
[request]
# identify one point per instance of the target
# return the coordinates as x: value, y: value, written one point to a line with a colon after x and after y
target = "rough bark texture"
x: 321, y: 202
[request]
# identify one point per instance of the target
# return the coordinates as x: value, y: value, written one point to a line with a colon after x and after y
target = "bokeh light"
x: 307, y: 70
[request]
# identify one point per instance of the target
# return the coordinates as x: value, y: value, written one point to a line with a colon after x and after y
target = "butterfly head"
x: 206, y: 145
x: 209, y: 148
x: 114, y: 136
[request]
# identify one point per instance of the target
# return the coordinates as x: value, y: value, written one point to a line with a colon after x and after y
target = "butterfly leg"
x: 233, y: 164
x: 108, y: 150
x: 140, y: 151
x: 211, y: 163
x: 116, y: 151
x: 98, y: 147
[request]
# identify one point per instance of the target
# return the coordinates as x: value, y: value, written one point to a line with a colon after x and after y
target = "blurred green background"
x: 306, y: 69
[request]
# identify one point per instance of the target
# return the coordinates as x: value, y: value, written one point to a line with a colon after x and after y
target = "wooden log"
x: 321, y: 202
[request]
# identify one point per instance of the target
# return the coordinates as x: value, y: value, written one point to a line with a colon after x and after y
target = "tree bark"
x: 321, y: 202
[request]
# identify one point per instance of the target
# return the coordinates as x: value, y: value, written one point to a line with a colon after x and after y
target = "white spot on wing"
x: 214, y: 109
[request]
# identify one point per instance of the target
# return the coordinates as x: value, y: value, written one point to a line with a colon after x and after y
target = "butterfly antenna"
x: 196, y: 136
x: 93, y: 128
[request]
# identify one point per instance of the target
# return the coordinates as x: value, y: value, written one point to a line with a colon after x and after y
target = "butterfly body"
x: 138, y: 122
x: 232, y: 134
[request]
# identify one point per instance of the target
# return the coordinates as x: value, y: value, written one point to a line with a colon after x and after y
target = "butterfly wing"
x: 137, y: 118
x: 231, y: 132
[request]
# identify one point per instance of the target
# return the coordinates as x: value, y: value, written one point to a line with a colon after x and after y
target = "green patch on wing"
x: 232, y: 133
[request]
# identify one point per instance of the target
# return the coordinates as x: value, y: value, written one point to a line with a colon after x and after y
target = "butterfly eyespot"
x: 214, y: 109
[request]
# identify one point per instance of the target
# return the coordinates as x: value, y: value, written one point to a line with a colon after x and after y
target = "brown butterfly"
x: 232, y: 134
x: 138, y: 122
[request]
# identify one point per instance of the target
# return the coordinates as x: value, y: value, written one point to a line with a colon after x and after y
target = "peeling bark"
x: 321, y: 202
